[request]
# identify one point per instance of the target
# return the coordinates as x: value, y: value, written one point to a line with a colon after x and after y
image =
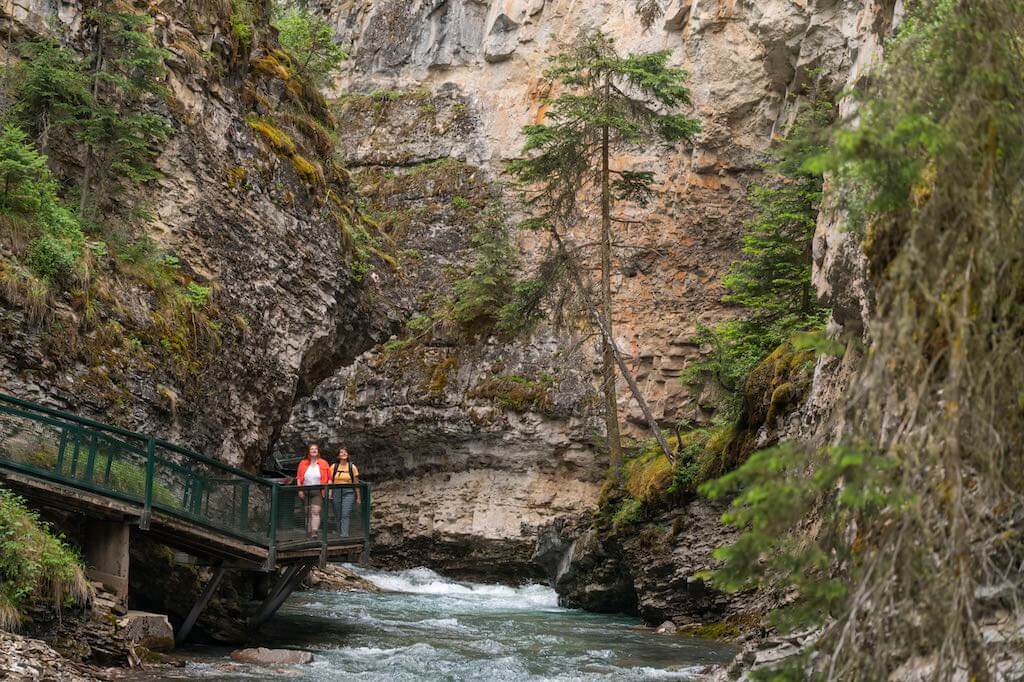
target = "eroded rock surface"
x: 457, y: 80
x: 237, y: 218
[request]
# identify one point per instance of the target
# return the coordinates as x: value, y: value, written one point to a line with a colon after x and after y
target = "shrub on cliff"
x: 771, y: 280
x: 35, y: 564
x: 483, y: 294
x: 29, y: 202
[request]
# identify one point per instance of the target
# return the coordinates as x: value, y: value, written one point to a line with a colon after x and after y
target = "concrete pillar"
x: 106, y: 555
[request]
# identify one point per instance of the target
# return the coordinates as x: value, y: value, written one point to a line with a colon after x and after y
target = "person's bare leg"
x: 314, y: 515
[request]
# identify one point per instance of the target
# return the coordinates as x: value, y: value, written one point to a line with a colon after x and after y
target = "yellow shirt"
x: 341, y: 474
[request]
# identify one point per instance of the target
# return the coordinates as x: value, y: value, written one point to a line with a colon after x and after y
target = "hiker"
x: 344, y: 472
x: 313, y: 471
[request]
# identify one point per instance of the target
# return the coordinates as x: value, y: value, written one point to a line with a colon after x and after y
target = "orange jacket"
x: 325, y: 471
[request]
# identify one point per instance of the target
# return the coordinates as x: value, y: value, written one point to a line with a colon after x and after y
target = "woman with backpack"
x: 344, y: 472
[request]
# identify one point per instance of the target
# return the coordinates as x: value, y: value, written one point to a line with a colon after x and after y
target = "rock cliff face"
x: 457, y: 79
x: 237, y: 217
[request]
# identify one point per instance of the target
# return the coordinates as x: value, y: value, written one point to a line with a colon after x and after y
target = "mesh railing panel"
x: 115, y: 462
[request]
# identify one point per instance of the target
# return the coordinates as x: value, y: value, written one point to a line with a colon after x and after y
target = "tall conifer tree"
x: 608, y: 103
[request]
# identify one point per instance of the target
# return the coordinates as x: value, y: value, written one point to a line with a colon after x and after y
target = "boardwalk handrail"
x: 65, y: 448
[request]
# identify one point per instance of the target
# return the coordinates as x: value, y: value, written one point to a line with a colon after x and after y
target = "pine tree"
x: 22, y: 171
x: 771, y: 280
x: 121, y: 132
x: 51, y: 90
x: 28, y: 194
x: 481, y: 296
x: 309, y: 39
x: 609, y: 103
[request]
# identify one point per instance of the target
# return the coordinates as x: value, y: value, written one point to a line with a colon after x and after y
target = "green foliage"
x: 628, y: 513
x: 122, y: 133
x: 23, y: 171
x: 309, y: 39
x: 772, y: 280
x: 700, y: 456
x: 28, y: 192
x: 243, y: 22
x: 197, y: 294
x: 773, y: 491
x: 105, y: 104
x: 50, y: 88
x: 481, y: 296
x: 604, y: 92
x: 35, y: 564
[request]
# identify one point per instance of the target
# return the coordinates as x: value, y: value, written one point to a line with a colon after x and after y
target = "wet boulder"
x: 264, y: 656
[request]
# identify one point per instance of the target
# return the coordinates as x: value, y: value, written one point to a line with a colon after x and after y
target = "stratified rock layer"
x: 457, y: 80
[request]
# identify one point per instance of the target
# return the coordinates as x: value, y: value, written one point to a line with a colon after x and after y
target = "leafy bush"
x: 34, y: 563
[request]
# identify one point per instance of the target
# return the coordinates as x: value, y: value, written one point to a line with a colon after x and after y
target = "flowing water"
x: 432, y: 628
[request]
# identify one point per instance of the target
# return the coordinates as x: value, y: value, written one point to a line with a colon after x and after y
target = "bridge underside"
x: 108, y: 522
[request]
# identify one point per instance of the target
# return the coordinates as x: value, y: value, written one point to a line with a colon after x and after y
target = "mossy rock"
x: 774, y: 388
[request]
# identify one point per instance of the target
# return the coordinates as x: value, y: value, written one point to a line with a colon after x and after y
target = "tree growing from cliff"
x: 487, y: 288
x: 121, y: 131
x: 309, y: 39
x: 771, y: 281
x: 50, y: 90
x: 609, y: 103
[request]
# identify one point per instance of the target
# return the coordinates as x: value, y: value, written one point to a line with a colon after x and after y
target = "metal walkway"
x: 220, y: 514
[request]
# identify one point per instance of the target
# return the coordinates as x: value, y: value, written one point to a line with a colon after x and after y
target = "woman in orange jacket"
x: 313, y: 471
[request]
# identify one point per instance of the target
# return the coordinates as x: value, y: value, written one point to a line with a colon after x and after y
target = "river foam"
x: 425, y: 581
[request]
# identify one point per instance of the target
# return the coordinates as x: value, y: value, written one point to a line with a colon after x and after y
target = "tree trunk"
x: 611, y: 405
x: 607, y: 336
x: 89, y: 160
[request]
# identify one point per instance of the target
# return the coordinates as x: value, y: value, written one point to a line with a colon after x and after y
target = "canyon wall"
x: 230, y: 214
x: 436, y: 82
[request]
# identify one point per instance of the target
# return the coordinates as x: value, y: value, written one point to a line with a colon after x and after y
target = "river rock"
x: 22, y: 658
x: 666, y: 628
x: 338, y: 579
x: 263, y: 656
x: 151, y: 630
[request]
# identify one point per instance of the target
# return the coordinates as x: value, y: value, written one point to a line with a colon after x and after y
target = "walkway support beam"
x: 107, y: 554
x: 282, y: 589
x: 199, y: 606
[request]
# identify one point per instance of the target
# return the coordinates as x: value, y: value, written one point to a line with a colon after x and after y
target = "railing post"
x: 147, y: 511
x: 365, y: 558
x: 325, y: 523
x: 272, y: 549
x: 243, y: 519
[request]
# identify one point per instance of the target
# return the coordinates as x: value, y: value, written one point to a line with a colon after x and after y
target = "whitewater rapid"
x: 427, y: 627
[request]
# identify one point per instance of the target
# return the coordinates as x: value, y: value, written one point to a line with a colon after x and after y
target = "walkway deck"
x: 218, y: 513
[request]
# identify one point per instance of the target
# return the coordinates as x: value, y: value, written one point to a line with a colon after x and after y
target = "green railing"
x: 162, y: 477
